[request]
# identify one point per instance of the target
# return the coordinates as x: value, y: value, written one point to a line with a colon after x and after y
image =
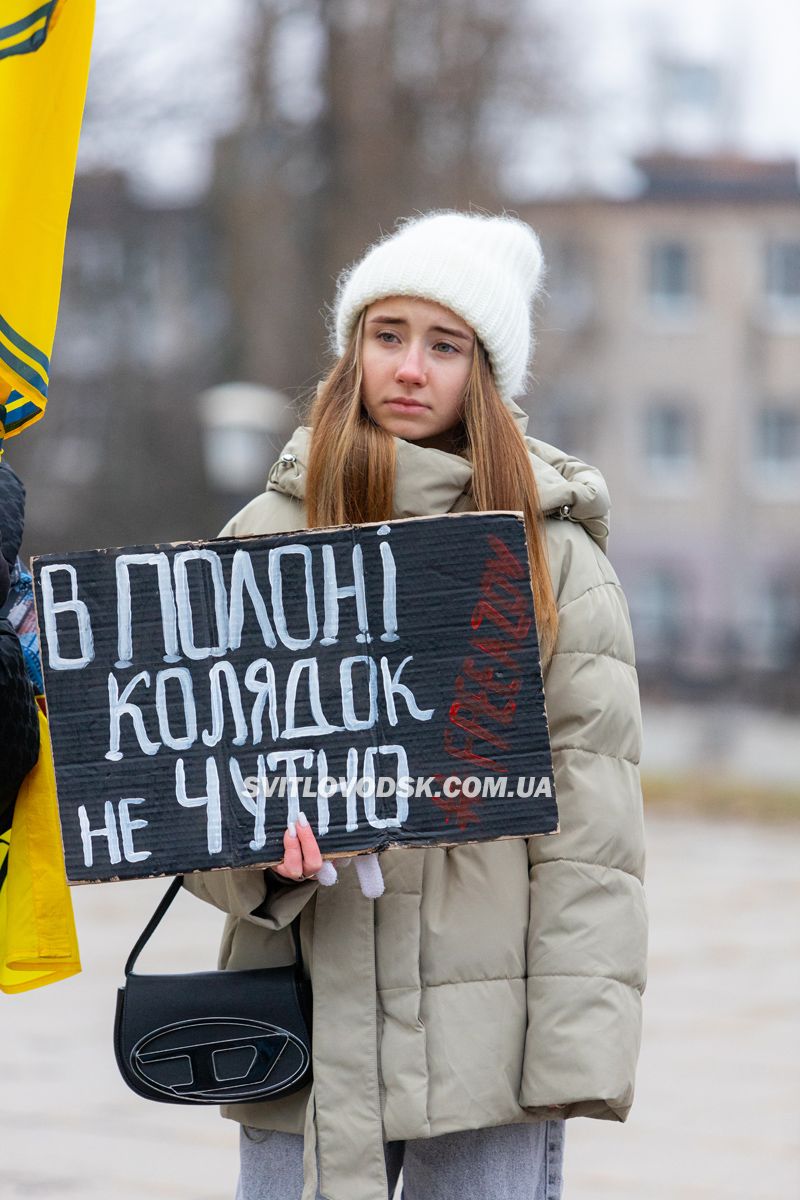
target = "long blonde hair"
x: 352, y: 463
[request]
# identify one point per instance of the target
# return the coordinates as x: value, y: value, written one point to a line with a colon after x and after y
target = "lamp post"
x: 242, y: 426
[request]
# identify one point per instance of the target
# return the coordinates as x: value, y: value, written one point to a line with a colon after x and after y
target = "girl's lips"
x: 402, y: 405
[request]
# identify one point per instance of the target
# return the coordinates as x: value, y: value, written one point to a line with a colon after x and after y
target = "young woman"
x: 493, y: 990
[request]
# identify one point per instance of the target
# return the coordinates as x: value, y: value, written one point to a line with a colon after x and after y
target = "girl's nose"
x: 412, y: 368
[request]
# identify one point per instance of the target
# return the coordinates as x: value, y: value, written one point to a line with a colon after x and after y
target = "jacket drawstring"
x: 310, y: 1175
x: 344, y: 1149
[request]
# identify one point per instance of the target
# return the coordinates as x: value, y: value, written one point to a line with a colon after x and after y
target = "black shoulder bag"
x: 213, y: 1037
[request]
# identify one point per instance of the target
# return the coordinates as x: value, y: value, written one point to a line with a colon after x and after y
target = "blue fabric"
x: 19, y: 609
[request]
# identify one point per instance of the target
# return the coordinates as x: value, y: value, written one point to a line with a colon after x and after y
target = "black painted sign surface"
x: 383, y: 679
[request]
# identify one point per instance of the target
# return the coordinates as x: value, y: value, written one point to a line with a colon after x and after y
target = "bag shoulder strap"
x: 166, y: 900
x: 151, y: 926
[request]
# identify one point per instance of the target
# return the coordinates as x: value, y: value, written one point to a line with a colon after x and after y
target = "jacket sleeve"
x: 254, y: 895
x: 587, y: 937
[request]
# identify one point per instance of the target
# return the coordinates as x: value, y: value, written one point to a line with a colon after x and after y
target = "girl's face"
x: 416, y: 361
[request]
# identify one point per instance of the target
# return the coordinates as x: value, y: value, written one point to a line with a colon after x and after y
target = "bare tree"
x: 403, y: 105
x: 329, y: 119
x: 165, y: 80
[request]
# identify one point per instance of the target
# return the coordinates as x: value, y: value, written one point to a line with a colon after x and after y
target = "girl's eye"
x: 390, y: 338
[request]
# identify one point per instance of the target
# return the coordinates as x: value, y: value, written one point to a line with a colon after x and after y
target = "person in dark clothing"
x: 19, y: 723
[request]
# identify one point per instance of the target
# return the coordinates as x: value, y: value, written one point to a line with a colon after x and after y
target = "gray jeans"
x: 509, y: 1162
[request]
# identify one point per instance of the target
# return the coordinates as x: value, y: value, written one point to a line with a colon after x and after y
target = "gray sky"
x: 753, y: 42
x: 184, y: 55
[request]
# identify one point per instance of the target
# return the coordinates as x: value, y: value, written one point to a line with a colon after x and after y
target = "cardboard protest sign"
x: 384, y: 679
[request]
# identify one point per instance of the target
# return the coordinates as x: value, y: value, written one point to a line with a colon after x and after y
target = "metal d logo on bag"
x: 217, y: 1059
x: 211, y: 1037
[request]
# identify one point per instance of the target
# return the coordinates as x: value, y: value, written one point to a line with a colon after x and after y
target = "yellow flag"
x: 38, y: 943
x: 44, y: 66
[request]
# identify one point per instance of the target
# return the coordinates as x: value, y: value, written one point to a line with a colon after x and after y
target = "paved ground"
x: 717, y: 1115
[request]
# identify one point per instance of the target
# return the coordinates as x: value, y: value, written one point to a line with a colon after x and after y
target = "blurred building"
x: 668, y: 354
x: 141, y: 330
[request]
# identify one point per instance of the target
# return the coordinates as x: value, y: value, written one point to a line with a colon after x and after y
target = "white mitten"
x: 370, y: 876
x: 327, y: 874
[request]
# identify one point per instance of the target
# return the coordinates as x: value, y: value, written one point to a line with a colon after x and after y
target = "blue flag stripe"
x: 23, y: 369
x: 22, y: 414
x: 23, y: 344
x: 25, y: 22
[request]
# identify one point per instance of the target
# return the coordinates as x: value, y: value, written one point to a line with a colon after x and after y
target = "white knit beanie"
x: 486, y: 269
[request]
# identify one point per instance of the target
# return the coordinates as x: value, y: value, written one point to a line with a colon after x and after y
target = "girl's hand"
x: 302, y: 858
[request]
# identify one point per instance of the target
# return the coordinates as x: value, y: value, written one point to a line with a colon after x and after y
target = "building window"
x: 669, y: 441
x: 782, y: 271
x: 566, y: 419
x: 776, y: 632
x: 95, y: 259
x: 569, y: 285
x: 670, y: 274
x: 778, y: 437
x: 659, y: 614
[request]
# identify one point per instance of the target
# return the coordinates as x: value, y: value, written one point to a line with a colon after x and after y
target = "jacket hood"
x: 429, y: 482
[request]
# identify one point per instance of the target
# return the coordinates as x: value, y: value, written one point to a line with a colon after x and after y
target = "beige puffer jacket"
x: 494, y: 983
